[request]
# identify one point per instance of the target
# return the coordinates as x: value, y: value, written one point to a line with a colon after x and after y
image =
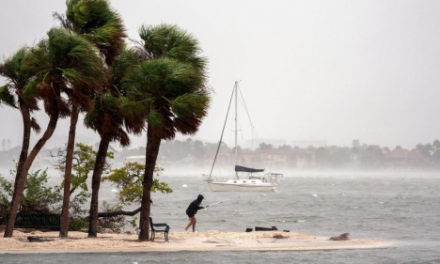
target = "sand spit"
x: 179, y: 241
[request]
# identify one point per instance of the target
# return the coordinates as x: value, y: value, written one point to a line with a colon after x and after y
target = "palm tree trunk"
x: 153, y: 144
x: 68, y: 171
x: 96, y: 181
x: 21, y: 180
x: 25, y: 114
x: 25, y: 143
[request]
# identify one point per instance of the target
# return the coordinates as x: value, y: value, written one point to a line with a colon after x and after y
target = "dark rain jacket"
x: 194, y: 206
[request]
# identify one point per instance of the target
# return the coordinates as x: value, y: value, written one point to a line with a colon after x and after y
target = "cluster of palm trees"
x: 157, y: 85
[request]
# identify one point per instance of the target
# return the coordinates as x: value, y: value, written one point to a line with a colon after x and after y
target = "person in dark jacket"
x: 191, y: 212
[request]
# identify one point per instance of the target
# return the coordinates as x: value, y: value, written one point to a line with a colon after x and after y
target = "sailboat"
x: 252, y: 183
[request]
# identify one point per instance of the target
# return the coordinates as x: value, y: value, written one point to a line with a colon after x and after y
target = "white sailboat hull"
x: 241, y: 186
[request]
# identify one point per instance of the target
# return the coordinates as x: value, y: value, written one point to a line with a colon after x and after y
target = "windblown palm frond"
x: 17, y: 77
x: 106, y: 118
x: 172, y: 42
x: 65, y: 63
x: 127, y: 60
x: 6, y: 96
x: 170, y: 83
x: 113, y: 110
x: 189, y: 110
x: 95, y: 20
x: 164, y: 77
x: 13, y: 69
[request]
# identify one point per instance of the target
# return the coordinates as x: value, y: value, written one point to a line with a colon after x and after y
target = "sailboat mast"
x: 221, y: 136
x: 236, y: 147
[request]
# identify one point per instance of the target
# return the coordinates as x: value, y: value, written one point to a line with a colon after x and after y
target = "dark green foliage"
x: 78, y: 224
x: 171, y: 42
x: 38, y: 197
x: 169, y: 84
x: 163, y: 76
x: 6, y: 96
x: 15, y: 68
x: 112, y: 109
x: 83, y: 163
x: 5, y: 194
x: 134, y: 114
x: 107, y: 118
x: 18, y: 75
x: 190, y: 109
x: 187, y: 105
x: 95, y: 20
x: 65, y: 63
x: 128, y: 180
x: 124, y: 62
x: 45, y: 221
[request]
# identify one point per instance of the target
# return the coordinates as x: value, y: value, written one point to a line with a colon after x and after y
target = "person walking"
x: 191, y: 212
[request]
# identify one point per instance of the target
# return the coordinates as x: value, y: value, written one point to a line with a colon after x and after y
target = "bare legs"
x: 192, y: 222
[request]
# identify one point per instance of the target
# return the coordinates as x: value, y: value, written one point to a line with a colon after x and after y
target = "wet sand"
x: 180, y: 241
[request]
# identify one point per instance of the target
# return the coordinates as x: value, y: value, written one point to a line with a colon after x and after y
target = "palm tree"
x: 94, y: 20
x: 106, y: 119
x: 110, y: 112
x: 11, y: 94
x: 170, y: 86
x: 63, y: 63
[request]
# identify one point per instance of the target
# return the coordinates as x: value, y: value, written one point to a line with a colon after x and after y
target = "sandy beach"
x: 180, y: 241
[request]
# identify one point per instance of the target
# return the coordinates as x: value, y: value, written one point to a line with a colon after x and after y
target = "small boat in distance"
x: 251, y: 183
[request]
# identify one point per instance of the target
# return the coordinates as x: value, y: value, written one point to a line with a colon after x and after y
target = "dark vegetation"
x: 45, y: 200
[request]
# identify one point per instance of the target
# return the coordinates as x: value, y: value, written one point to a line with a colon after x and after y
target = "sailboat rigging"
x: 253, y: 183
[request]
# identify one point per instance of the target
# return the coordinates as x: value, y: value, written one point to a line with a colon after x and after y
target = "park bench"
x: 159, y: 227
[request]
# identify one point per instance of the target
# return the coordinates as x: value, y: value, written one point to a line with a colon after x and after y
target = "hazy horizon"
x: 323, y: 71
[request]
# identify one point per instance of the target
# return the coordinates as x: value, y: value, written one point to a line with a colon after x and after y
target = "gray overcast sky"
x: 310, y: 70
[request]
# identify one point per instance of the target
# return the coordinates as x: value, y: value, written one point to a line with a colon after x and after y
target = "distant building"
x: 308, y: 143
x: 355, y: 144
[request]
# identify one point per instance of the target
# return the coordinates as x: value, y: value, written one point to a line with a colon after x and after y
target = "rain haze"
x: 315, y: 71
x: 342, y: 150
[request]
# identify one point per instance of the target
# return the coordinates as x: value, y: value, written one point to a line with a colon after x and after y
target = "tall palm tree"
x: 11, y: 94
x: 170, y: 86
x: 96, y: 21
x: 110, y: 112
x: 106, y: 119
x: 63, y: 63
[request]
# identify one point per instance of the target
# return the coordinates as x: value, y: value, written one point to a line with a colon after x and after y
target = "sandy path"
x: 179, y: 241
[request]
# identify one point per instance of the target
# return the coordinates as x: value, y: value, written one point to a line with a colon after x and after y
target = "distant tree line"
x: 195, y: 153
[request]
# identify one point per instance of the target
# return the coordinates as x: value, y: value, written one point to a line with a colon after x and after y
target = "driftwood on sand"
x: 39, y: 239
x: 341, y: 237
x: 259, y: 228
x: 279, y: 236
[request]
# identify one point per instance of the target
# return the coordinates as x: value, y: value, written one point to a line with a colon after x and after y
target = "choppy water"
x: 403, y: 207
